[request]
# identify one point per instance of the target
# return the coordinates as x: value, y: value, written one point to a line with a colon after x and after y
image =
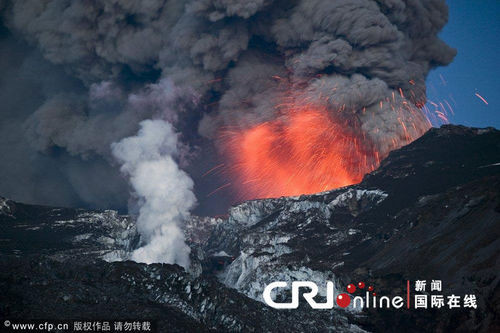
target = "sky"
x: 474, y: 30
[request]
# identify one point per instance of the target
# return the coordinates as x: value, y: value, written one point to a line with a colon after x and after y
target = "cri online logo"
x: 422, y: 298
x: 343, y: 300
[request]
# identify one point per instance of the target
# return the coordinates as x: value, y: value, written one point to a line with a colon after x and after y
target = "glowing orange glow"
x: 303, y: 151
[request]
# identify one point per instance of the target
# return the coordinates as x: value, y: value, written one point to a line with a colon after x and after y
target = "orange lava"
x: 303, y: 151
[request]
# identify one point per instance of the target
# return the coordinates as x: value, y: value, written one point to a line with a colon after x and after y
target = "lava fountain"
x: 305, y: 149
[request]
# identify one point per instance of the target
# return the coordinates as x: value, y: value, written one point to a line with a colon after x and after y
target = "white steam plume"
x: 164, y: 191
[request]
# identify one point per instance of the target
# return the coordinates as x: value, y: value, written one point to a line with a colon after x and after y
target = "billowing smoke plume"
x: 165, y: 192
x: 365, y: 61
x: 88, y: 124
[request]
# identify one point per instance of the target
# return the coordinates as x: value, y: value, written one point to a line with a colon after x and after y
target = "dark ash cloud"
x: 105, y: 66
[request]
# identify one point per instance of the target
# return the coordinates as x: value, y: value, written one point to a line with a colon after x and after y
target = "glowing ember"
x: 481, y: 98
x: 303, y: 151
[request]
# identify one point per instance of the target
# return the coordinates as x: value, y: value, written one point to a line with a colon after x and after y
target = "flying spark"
x: 481, y: 98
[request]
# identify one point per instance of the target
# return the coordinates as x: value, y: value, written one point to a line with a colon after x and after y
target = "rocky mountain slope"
x: 431, y: 211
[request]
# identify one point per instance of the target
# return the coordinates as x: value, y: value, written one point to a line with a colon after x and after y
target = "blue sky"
x: 474, y: 30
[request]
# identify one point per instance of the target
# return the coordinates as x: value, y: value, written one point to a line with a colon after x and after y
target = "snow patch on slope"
x: 4, y: 206
x: 342, y: 200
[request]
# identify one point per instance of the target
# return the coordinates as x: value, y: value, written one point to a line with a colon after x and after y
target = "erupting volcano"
x: 305, y: 150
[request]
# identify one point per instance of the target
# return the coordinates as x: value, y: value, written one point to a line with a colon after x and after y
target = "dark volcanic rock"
x: 64, y: 233
x: 431, y: 211
x: 174, y: 300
